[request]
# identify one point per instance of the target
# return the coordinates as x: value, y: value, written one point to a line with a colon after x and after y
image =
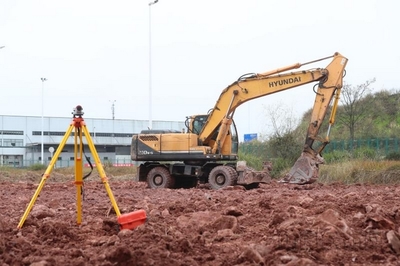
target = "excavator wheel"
x: 222, y: 176
x: 159, y: 177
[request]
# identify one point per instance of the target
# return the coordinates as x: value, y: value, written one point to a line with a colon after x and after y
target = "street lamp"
x: 42, y: 150
x: 150, y: 93
x: 113, y: 109
x: 2, y: 152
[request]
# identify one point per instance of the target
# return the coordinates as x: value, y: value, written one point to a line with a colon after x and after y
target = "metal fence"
x: 382, y: 146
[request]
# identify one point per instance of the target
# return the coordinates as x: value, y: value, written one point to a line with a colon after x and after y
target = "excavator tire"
x: 222, y: 176
x: 159, y: 177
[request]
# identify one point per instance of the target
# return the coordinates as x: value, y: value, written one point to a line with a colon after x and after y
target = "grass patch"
x: 361, y: 171
x: 34, y: 173
x: 346, y: 172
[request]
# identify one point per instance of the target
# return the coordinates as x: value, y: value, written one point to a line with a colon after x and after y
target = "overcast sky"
x: 96, y: 53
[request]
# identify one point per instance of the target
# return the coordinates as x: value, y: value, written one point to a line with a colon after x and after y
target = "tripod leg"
x: 100, y: 169
x: 78, y: 151
x: 45, y: 176
x: 127, y: 220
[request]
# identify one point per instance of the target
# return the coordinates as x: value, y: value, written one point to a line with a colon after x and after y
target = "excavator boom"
x: 305, y: 170
x: 330, y: 81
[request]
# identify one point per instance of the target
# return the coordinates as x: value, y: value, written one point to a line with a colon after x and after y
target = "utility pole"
x: 150, y: 89
x: 42, y: 143
x: 113, y: 109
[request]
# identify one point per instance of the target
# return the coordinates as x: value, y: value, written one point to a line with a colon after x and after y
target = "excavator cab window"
x: 235, y: 138
x: 198, y: 123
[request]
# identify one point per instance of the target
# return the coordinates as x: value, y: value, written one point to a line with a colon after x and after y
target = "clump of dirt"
x: 275, y: 224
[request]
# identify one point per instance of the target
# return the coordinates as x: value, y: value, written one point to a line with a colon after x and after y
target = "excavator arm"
x: 246, y: 88
x: 305, y: 170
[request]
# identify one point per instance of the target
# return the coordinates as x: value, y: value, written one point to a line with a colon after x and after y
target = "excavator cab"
x: 195, y: 125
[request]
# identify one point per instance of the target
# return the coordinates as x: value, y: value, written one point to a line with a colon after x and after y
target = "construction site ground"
x: 275, y: 224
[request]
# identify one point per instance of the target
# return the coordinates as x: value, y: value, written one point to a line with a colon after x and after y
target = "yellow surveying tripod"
x: 126, y: 221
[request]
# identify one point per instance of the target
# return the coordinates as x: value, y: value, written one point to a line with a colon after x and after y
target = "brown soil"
x: 275, y: 224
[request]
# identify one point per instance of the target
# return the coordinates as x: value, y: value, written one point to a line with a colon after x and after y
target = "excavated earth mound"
x: 275, y: 224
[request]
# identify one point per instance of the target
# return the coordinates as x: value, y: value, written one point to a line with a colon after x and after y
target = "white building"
x: 21, y: 139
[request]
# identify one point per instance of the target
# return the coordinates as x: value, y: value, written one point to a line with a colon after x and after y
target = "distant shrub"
x: 365, y: 153
x: 107, y: 164
x: 280, y: 166
x: 285, y: 146
x: 37, y: 166
x: 252, y: 161
x: 393, y: 156
x: 337, y: 156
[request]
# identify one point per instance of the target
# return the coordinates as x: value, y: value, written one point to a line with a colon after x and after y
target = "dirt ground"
x: 275, y: 224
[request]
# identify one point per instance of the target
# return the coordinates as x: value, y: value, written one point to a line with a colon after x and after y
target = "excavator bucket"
x: 305, y: 170
x: 249, y: 176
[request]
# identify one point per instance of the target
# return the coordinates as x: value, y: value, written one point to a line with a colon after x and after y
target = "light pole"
x: 150, y: 92
x: 113, y: 117
x: 42, y: 145
x: 113, y: 109
x: 2, y: 152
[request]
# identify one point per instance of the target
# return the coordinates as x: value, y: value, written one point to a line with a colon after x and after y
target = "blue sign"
x: 250, y: 137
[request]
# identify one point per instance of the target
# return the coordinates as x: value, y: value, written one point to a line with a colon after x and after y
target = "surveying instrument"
x: 78, y: 125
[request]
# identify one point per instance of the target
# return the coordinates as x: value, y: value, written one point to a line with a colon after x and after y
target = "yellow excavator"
x: 207, y: 151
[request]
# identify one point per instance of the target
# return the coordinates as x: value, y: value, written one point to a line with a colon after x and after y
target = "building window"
x: 103, y: 134
x: 123, y: 135
x: 57, y: 133
x: 62, y: 133
x: 13, y: 142
x: 11, y: 132
x: 58, y: 159
x: 110, y: 149
x: 50, y: 133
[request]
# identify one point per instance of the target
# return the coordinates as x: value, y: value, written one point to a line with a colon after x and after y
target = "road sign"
x: 250, y: 137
